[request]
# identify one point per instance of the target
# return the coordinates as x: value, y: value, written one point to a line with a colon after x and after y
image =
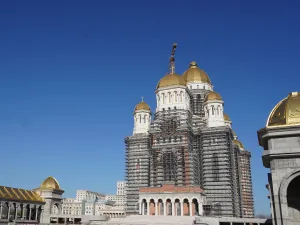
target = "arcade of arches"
x: 171, y: 200
x: 170, y: 207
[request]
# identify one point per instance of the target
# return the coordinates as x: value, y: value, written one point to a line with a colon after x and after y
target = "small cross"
x: 142, y: 98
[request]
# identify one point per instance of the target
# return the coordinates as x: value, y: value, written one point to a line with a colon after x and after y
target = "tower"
x: 142, y: 118
x: 280, y: 139
x: 51, y: 192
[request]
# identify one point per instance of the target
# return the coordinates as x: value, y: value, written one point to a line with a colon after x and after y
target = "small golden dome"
x: 226, y: 117
x: 286, y: 112
x: 50, y: 183
x: 234, y: 134
x: 142, y: 106
x: 213, y: 96
x: 170, y: 80
x: 194, y: 73
x: 238, y: 143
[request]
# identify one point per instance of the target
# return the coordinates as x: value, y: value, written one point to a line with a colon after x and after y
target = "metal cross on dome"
x: 142, y: 98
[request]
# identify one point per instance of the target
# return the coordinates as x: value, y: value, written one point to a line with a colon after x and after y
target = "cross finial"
x: 142, y: 98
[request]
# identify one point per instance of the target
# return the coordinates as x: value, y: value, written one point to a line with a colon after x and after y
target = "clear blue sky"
x: 72, y: 71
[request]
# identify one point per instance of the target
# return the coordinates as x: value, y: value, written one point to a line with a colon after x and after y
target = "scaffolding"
x: 182, y: 149
x: 170, y: 158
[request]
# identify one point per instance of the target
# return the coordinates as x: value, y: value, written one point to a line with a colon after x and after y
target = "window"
x: 175, y: 93
x: 140, y: 119
x: 144, y: 118
x: 197, y: 86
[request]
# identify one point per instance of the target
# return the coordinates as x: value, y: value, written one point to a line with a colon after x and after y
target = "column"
x: 16, y: 211
x: 200, y: 208
x: 191, y: 207
x: 173, y: 208
x: 141, y: 208
x: 156, y: 207
x: 29, y: 212
x: 165, y: 208
x: 181, y: 207
x: 148, y: 208
x: 1, y: 208
x: 8, y: 213
x: 36, y: 212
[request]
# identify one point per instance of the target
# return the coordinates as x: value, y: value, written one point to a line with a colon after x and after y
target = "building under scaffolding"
x: 189, y: 142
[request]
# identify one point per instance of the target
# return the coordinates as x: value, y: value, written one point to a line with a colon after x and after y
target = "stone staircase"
x: 151, y: 220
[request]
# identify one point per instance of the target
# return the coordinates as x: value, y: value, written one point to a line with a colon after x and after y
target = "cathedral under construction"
x: 188, y: 142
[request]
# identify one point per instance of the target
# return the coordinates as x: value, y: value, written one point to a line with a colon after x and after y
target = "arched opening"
x: 169, y: 207
x: 213, y: 110
x: 160, y: 207
x: 169, y: 97
x: 145, y: 118
x: 140, y: 118
x: 195, y: 209
x: 152, y: 207
x: 293, y: 198
x: 177, y: 207
x: 175, y: 93
x: 144, y: 207
x: 186, y: 207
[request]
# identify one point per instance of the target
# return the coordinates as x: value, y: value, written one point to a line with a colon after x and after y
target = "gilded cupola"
x: 213, y: 96
x: 195, y: 74
x: 226, y: 117
x: 50, y: 183
x: 171, y: 79
x: 238, y: 143
x: 286, y: 112
x: 142, y: 106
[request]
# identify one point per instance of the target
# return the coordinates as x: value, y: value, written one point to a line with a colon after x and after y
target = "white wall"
x: 174, y: 97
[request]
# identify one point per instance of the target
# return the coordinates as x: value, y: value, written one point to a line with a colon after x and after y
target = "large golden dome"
x: 286, y: 112
x: 213, y: 96
x: 50, y: 183
x: 142, y: 106
x: 194, y: 73
x: 238, y: 143
x: 226, y: 117
x: 170, y: 80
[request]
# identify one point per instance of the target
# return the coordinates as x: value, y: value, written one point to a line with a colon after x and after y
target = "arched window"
x: 169, y: 97
x: 163, y: 98
x: 175, y: 93
x: 181, y: 96
x: 140, y: 119
x: 144, y: 118
x: 197, y: 86
x: 218, y: 110
x: 212, y: 110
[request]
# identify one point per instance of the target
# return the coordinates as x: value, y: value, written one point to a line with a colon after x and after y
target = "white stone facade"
x: 142, y: 121
x: 121, y: 187
x: 213, y: 110
x: 175, y: 97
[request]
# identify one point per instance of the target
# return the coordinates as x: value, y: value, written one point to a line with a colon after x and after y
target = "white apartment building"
x: 88, y: 195
x: 121, y: 187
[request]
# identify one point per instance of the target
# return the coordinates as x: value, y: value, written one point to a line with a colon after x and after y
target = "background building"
x: 189, y: 141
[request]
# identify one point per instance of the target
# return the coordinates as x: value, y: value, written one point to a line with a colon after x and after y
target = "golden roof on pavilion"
x: 19, y: 195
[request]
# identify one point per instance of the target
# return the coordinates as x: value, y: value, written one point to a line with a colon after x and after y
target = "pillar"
x: 191, y: 207
x: 165, y: 208
x: 22, y: 211
x: 173, y: 208
x: 36, y: 212
x: 181, y: 207
x: 8, y: 213
x: 148, y: 208
x: 141, y: 208
x: 16, y: 211
x: 1, y: 209
x: 29, y: 212
x: 156, y: 208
